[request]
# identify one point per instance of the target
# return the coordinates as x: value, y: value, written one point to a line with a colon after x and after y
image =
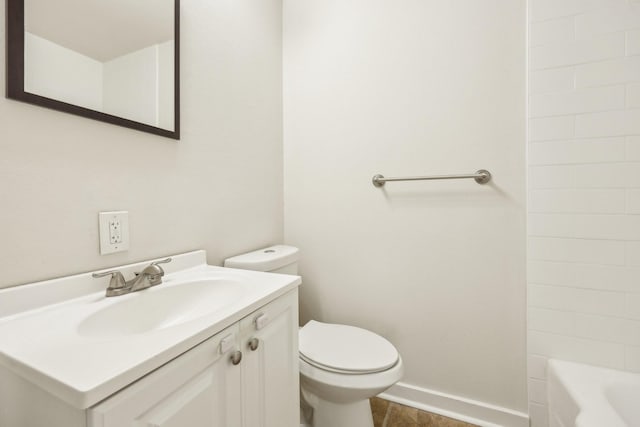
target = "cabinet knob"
x: 236, y: 357
x: 227, y: 343
x: 261, y: 321
x: 254, y: 343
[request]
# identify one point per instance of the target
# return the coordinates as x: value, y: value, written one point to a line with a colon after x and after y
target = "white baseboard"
x: 467, y: 410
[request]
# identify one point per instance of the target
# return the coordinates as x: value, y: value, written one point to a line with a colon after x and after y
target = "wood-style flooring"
x: 389, y: 414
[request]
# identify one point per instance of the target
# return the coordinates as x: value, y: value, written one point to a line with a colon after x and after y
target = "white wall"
x: 584, y: 187
x: 166, y: 87
x: 56, y: 72
x: 218, y: 188
x: 140, y: 86
x: 413, y: 87
x: 131, y: 86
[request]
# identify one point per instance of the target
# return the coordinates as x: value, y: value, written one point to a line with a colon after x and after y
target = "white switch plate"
x: 114, y: 231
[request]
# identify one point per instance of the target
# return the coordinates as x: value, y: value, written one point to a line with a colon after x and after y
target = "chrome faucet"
x: 151, y: 275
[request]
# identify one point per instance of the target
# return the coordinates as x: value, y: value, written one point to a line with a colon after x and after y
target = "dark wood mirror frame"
x: 15, y: 76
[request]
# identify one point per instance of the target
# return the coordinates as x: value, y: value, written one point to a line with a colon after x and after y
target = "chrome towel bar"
x: 482, y: 177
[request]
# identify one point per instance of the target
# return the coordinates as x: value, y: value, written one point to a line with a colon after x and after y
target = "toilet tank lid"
x: 265, y: 259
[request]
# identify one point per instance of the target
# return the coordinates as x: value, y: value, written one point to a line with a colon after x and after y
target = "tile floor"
x: 389, y: 414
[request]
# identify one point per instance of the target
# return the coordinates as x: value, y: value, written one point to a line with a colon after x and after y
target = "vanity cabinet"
x: 210, y: 347
x: 206, y: 386
x: 211, y: 386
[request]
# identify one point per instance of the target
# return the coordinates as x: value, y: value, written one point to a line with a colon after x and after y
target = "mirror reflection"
x: 115, y: 56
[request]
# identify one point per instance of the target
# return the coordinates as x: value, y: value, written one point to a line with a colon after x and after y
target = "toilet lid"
x: 342, y: 348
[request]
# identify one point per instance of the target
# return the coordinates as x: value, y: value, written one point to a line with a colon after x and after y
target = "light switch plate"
x: 114, y: 231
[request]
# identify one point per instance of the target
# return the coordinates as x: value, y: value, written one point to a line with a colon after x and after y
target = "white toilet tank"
x: 274, y: 259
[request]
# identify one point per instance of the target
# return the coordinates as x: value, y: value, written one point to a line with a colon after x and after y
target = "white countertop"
x: 42, y: 343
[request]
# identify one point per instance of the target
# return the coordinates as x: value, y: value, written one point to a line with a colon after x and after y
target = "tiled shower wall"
x: 584, y: 187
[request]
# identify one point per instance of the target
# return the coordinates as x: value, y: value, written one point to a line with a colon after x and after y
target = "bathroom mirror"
x: 116, y: 61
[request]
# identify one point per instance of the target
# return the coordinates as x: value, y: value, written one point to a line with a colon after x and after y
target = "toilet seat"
x: 345, y: 349
x: 346, y: 388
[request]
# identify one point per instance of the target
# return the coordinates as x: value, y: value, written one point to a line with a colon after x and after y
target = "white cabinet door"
x: 204, y: 388
x: 269, y: 342
x: 198, y: 389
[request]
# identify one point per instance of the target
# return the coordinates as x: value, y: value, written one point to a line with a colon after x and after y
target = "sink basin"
x: 161, y: 307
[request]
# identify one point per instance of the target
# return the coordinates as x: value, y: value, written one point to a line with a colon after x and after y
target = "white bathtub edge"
x: 576, y: 394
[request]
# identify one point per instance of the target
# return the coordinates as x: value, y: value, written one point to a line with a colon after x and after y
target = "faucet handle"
x: 154, y: 272
x: 155, y: 269
x: 162, y: 261
x: 117, y: 284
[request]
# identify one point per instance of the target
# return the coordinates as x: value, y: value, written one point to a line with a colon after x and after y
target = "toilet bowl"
x: 341, y: 366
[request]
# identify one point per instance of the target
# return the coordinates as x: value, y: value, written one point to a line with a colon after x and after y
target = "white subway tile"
x: 556, y: 79
x: 615, y: 227
x: 538, y: 391
x: 576, y: 299
x: 632, y: 328
x: 614, y: 18
x: 632, y: 227
x: 560, y: 55
x: 616, y: 71
x: 633, y: 95
x: 577, y: 201
x: 557, y: 225
x: 633, y: 42
x: 588, y: 176
x: 633, y: 306
x: 633, y: 201
x: 540, y: 10
x: 550, y: 128
x: 602, y: 175
x: 559, y: 30
x: 577, y: 250
x: 550, y: 273
x: 600, y: 226
x: 633, y: 148
x: 578, y: 101
x: 599, y: 353
x: 609, y: 123
x: 602, y: 328
x: 537, y: 367
x: 539, y: 415
x: 556, y: 176
x: 632, y: 358
x: 559, y: 322
x: 606, y: 277
x: 633, y: 253
x: 632, y: 173
x: 598, y: 150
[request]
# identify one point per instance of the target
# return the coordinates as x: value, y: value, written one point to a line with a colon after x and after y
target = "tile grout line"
x: 386, y: 415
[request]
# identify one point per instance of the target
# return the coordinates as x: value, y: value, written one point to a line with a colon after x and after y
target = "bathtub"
x: 587, y: 396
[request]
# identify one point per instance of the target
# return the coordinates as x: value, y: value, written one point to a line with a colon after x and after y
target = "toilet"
x: 341, y: 366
